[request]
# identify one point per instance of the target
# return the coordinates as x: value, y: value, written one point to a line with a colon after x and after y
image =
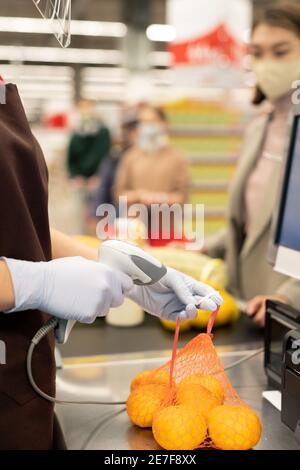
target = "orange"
x: 234, y: 427
x: 150, y: 377
x: 141, y: 379
x: 144, y: 401
x: 178, y: 428
x: 197, y: 397
x: 207, y: 381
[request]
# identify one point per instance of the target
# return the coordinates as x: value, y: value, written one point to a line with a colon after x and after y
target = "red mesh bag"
x: 190, y: 402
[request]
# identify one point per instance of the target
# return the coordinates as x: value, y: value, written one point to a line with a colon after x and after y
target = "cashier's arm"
x: 7, y: 297
x: 64, y: 246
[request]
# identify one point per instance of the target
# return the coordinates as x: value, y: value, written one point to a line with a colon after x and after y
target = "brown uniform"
x: 26, y: 421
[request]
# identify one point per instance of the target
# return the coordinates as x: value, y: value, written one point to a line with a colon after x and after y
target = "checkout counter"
x: 276, y: 370
x: 108, y: 428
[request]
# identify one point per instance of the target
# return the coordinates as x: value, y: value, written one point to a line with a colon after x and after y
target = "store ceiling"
x: 101, y: 10
x: 124, y: 11
x: 104, y: 80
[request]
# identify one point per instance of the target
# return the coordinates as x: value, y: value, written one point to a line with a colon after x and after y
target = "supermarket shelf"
x: 209, y: 186
x: 199, y: 131
x: 214, y: 212
x: 210, y: 134
x: 213, y: 159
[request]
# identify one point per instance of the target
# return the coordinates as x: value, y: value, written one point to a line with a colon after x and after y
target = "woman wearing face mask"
x: 275, y: 53
x: 153, y: 172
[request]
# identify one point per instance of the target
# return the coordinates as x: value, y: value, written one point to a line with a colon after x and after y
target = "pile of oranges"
x: 187, y: 415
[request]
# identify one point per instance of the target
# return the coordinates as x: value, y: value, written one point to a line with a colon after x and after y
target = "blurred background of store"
x: 189, y: 57
x: 122, y: 54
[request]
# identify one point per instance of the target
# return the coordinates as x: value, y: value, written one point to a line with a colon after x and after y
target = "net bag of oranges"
x: 190, y: 403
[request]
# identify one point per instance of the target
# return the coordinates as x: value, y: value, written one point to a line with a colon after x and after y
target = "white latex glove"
x: 175, y: 295
x: 68, y: 288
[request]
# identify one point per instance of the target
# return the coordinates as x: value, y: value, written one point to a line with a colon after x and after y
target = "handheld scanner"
x: 128, y: 258
x: 142, y: 267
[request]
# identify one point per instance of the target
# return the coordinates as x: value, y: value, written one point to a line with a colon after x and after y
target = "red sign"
x: 217, y: 47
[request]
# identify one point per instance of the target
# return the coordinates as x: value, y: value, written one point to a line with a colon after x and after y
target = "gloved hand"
x: 175, y: 295
x: 68, y: 288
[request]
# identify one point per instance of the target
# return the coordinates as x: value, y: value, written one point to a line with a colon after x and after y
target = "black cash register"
x: 282, y: 359
x: 280, y: 321
x: 282, y: 332
x: 290, y: 386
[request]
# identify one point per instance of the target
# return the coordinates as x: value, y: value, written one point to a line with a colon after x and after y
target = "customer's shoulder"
x: 176, y: 154
x: 131, y: 154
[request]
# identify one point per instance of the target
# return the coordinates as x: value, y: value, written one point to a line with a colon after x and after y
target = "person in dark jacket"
x: 108, y: 167
x: 89, y: 144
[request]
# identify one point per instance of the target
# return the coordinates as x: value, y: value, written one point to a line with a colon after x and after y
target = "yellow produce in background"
x: 234, y: 427
x: 93, y: 242
x: 196, y: 265
x: 178, y: 428
x: 214, y: 273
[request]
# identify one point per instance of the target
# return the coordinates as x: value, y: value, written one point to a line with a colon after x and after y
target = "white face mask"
x: 275, y: 77
x: 152, y: 137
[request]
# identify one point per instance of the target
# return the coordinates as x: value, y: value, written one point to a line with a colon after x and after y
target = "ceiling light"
x: 161, y: 33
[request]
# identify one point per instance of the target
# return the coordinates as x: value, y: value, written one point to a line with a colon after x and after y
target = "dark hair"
x: 130, y: 120
x: 283, y: 14
x: 159, y: 111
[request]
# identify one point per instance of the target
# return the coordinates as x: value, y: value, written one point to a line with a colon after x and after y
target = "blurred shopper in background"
x: 275, y: 52
x: 103, y: 193
x: 109, y: 165
x: 89, y: 144
x: 153, y: 172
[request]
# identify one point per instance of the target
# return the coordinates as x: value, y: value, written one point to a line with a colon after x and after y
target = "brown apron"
x: 26, y: 421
